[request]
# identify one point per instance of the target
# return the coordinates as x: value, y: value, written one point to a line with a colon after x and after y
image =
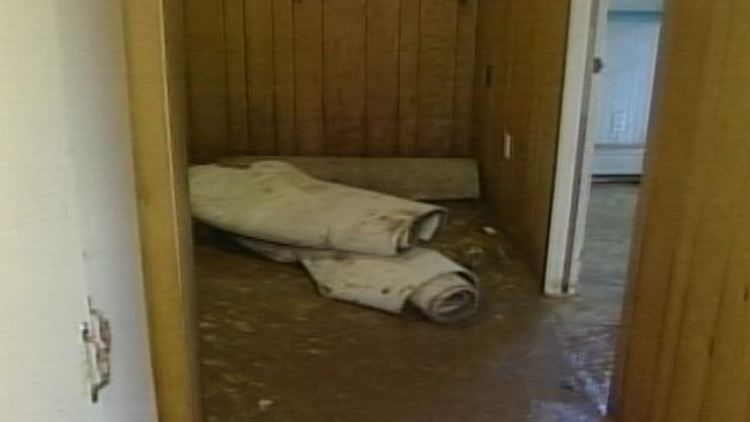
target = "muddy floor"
x: 588, y: 322
x: 272, y: 349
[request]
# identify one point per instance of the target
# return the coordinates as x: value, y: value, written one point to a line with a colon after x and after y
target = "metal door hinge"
x: 96, y: 334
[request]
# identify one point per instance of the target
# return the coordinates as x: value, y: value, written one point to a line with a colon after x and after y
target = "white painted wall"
x: 632, y: 44
x: 97, y: 114
x: 630, y: 48
x: 67, y: 220
x: 637, y: 5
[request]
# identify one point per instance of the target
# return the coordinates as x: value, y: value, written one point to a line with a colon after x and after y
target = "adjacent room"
x: 452, y: 104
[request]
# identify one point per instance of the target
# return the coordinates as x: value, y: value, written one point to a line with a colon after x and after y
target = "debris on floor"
x: 489, y: 231
x: 358, y: 246
x: 264, y: 404
x: 474, y: 256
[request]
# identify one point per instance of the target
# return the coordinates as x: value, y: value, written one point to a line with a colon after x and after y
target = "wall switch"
x: 507, y: 145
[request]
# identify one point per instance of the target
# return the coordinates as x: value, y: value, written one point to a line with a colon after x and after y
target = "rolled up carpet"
x: 441, y: 289
x: 276, y: 202
x: 285, y: 254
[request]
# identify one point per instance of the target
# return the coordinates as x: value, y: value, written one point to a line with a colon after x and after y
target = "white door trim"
x: 573, y: 154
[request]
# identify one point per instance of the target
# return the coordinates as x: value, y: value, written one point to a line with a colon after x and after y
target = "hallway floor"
x: 588, y: 321
x: 272, y: 349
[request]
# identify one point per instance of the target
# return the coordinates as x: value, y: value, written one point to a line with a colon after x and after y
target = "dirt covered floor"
x: 272, y: 349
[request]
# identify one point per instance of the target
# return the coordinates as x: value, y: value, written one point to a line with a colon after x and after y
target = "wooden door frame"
x: 157, y: 86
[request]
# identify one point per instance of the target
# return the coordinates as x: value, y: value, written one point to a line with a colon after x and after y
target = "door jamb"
x: 572, y: 170
x: 154, y: 50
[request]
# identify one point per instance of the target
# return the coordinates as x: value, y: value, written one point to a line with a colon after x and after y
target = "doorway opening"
x: 270, y: 345
x: 591, y: 235
x: 409, y: 87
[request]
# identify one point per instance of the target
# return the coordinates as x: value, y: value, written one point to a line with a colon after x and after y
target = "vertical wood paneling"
x: 727, y: 397
x: 207, y: 89
x: 639, y: 388
x: 690, y: 353
x: 716, y: 237
x: 701, y: 346
x: 489, y: 73
x: 283, y: 20
x: 527, y: 148
x: 260, y: 75
x: 308, y: 67
x: 523, y: 42
x: 236, y: 61
x: 334, y: 77
x: 345, y: 73
x: 437, y: 71
x: 408, y: 76
x: 688, y: 348
x: 549, y: 27
x: 383, y: 29
x: 655, y: 354
x: 465, y: 64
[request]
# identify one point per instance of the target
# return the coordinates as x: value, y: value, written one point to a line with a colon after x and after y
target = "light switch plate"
x: 507, y: 145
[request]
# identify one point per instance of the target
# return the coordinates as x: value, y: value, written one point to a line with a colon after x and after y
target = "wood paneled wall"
x: 333, y: 77
x: 520, y: 71
x: 687, y: 355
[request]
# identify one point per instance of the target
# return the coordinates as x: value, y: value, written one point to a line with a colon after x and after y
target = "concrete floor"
x: 588, y: 322
x: 274, y: 350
